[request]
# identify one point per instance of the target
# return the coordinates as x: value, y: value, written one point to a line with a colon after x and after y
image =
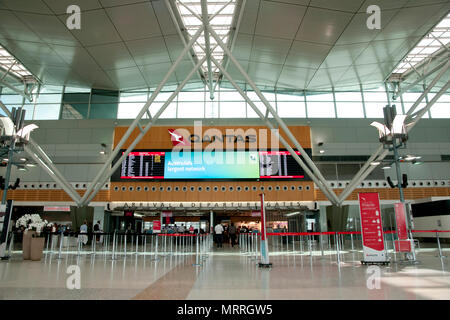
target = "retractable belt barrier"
x: 165, y: 244
x: 122, y: 243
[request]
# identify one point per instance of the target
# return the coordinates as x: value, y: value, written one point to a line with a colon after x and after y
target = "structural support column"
x: 135, y: 123
x: 314, y: 173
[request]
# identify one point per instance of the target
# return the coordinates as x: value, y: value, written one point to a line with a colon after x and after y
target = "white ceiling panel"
x: 135, y: 21
x: 307, y: 55
x: 405, y: 23
x: 344, y: 55
x: 112, y: 56
x: 174, y: 47
x: 383, y: 4
x: 96, y: 29
x: 154, y: 73
x: 36, y: 53
x: 326, y: 77
x: 270, y: 50
x: 292, y: 77
x: 127, y: 78
x: 357, y: 32
x: 341, y: 5
x: 264, y: 73
x: 148, y: 51
x: 323, y: 26
x: 251, y: 14
x: 12, y: 28
x: 113, y: 3
x: 49, y: 29
x: 60, y: 6
x: 243, y: 46
x: 279, y: 20
x: 76, y: 57
x: 34, y: 6
x: 164, y: 20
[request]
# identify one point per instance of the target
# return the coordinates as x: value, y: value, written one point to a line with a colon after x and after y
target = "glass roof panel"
x: 220, y: 12
x: 12, y: 66
x: 427, y: 47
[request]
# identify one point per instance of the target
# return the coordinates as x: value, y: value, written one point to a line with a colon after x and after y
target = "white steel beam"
x: 208, y: 47
x: 135, y: 122
x: 47, y: 163
x: 367, y: 169
x: 321, y: 182
x: 270, y: 126
x: 72, y: 193
x: 143, y: 132
x: 180, y: 34
x: 430, y: 86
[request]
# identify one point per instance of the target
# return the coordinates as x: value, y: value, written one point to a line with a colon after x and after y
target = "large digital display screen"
x: 204, y: 165
x: 211, y: 165
x: 279, y: 165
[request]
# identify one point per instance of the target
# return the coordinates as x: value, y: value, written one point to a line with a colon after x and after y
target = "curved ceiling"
x: 293, y: 44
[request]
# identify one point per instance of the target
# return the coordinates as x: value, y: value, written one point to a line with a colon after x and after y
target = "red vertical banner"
x: 400, y: 219
x: 371, y: 227
x: 156, y: 226
x: 263, y: 219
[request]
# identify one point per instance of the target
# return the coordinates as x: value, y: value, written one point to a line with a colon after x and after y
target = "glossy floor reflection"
x: 226, y: 274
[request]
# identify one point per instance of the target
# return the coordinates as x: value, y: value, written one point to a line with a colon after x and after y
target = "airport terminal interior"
x: 225, y: 149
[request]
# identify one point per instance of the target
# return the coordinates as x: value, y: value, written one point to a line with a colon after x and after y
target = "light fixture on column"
x: 321, y: 151
x: 103, y: 150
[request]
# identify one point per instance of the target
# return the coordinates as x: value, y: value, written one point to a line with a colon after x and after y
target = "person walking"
x: 218, y: 229
x: 232, y: 233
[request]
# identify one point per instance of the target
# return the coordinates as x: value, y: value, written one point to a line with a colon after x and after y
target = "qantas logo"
x: 176, y: 138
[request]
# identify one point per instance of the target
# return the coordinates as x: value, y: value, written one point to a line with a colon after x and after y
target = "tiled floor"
x: 224, y: 274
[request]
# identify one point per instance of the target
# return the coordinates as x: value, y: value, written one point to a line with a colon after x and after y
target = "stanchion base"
x: 384, y: 263
x: 265, y: 265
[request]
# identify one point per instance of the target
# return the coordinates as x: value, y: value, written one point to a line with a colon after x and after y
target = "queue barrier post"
x: 113, y: 254
x: 321, y: 243
x: 336, y: 237
x: 351, y: 238
x: 60, y: 245
x: 197, y: 258
x: 439, y: 246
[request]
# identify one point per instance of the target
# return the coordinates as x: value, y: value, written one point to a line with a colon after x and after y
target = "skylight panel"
x: 430, y: 45
x: 11, y: 65
x: 221, y: 13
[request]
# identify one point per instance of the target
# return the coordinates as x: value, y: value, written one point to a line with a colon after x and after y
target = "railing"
x: 331, y: 243
x: 118, y: 244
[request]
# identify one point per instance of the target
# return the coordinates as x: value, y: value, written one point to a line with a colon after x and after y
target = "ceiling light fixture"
x: 375, y: 163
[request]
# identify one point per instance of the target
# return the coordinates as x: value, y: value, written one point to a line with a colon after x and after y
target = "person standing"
x: 218, y: 229
x: 232, y: 233
x: 97, y: 230
x: 83, y: 229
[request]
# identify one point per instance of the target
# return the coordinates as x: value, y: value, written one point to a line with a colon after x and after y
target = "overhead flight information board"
x: 202, y: 165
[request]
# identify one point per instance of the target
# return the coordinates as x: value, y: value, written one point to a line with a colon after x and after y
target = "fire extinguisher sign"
x: 371, y: 227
